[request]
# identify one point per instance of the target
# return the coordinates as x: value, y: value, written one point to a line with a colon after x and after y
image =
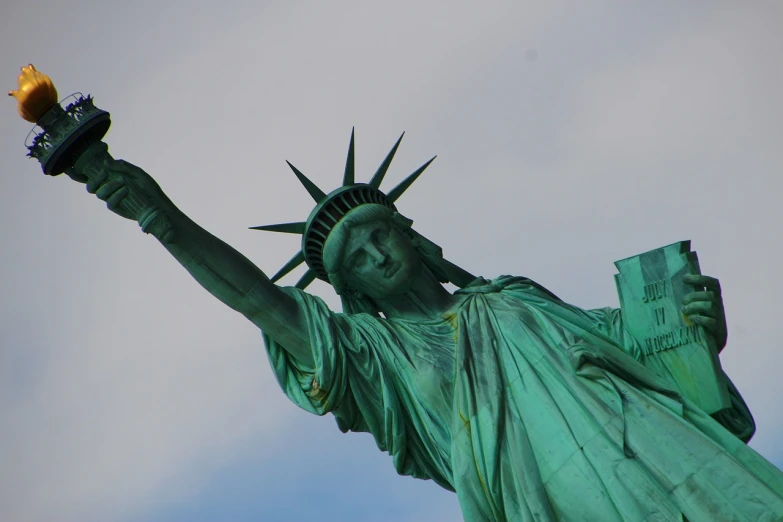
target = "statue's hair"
x: 334, y: 253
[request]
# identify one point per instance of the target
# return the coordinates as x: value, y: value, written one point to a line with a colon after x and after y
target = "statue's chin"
x: 400, y: 282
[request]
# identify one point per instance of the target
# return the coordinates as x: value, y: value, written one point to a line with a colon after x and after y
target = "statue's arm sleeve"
x: 356, y: 377
x: 320, y: 385
x: 349, y: 375
x: 610, y: 322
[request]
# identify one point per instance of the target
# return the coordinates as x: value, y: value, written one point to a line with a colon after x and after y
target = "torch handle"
x: 137, y: 205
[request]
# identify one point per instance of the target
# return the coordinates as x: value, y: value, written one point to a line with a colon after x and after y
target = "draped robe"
x: 530, y: 410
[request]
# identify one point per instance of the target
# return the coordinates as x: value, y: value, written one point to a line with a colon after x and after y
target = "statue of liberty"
x: 527, y: 407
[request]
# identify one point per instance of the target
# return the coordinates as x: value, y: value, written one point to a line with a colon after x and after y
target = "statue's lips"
x: 392, y: 270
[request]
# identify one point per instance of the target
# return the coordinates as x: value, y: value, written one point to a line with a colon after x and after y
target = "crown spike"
x: 348, y: 177
x: 397, y: 191
x: 377, y: 178
x: 306, y: 279
x: 316, y: 193
x: 295, y: 261
x: 288, y: 228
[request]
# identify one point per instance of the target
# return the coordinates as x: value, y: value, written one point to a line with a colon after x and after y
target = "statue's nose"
x: 381, y: 260
x: 379, y: 257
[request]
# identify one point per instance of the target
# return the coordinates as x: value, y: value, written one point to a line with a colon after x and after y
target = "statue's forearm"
x: 219, y: 268
x: 224, y: 272
x: 237, y: 282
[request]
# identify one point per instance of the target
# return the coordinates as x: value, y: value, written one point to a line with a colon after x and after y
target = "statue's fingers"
x: 81, y: 178
x: 704, y: 308
x: 122, y: 166
x: 710, y: 283
x: 699, y: 296
x: 109, y: 188
x: 118, y: 165
x: 115, y: 200
x: 708, y: 323
x: 95, y: 182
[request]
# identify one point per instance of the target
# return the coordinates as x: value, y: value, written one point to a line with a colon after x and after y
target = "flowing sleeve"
x: 610, y: 322
x: 354, y: 377
x: 323, y: 387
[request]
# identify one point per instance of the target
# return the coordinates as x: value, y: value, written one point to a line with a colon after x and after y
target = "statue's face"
x: 380, y: 261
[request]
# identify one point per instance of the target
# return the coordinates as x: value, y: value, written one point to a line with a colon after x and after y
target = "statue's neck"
x: 427, y: 299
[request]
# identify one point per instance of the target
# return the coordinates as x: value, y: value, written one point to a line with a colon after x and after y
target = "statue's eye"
x: 359, y: 258
x: 382, y: 234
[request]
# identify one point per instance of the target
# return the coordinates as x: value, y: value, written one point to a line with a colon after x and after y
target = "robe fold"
x: 530, y: 410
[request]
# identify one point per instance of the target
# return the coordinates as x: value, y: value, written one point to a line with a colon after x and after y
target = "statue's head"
x: 355, y: 240
x: 370, y: 252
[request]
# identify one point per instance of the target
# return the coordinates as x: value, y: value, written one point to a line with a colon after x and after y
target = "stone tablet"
x: 651, y: 290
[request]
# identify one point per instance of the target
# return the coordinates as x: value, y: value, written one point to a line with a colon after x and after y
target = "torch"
x: 68, y: 138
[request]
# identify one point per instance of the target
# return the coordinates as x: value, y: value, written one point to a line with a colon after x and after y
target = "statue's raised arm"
x: 218, y: 267
x: 71, y: 143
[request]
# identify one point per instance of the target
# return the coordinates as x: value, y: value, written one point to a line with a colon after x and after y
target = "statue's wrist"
x: 160, y: 219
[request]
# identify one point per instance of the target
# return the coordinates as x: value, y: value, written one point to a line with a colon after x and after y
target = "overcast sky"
x: 568, y: 136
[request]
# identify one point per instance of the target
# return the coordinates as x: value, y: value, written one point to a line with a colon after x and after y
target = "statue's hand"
x: 705, y: 307
x: 118, y: 181
x: 110, y: 186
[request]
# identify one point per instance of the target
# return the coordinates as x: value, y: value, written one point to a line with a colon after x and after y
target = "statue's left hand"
x: 705, y: 307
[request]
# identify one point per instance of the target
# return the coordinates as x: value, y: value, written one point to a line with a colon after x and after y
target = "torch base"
x: 67, y: 134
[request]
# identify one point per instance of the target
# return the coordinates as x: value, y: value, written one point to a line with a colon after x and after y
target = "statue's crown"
x: 331, y: 208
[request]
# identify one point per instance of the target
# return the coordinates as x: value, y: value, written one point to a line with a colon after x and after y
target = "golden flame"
x: 36, y: 94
